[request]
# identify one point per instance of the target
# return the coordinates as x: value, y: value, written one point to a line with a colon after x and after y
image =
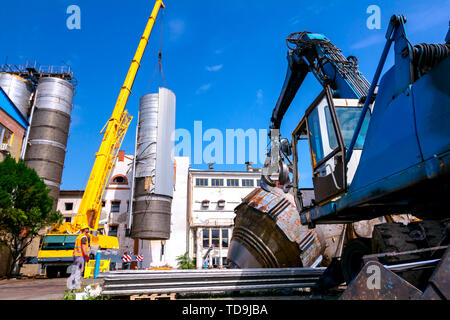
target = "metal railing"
x: 34, y: 71
x: 131, y: 282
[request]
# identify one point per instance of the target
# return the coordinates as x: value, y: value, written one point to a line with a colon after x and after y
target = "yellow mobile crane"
x: 55, y: 253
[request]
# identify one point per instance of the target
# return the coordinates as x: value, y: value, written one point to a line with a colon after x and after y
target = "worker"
x: 80, y: 257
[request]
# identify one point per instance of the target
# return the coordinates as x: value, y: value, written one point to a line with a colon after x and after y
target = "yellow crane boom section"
x: 116, y: 127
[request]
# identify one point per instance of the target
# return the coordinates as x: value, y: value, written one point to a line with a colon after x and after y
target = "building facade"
x: 213, y: 196
x: 201, y: 216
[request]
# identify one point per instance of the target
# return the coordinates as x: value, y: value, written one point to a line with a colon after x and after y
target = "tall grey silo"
x: 49, y: 131
x: 154, y: 174
x: 18, y: 90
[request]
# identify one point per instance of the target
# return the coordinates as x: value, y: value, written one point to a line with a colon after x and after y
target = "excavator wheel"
x: 396, y: 237
x: 351, y: 260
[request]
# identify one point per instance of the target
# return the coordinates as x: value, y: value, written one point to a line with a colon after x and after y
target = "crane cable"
x: 159, y: 64
x: 139, y: 158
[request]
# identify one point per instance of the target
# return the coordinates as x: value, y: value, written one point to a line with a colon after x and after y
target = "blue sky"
x: 224, y: 59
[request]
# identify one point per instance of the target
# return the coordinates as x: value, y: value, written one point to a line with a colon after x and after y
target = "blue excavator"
x: 377, y: 149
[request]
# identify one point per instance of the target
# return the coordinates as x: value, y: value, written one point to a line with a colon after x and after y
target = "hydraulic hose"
x: 426, y: 56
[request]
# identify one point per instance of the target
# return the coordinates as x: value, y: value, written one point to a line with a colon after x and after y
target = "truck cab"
x: 55, y: 253
x: 56, y: 250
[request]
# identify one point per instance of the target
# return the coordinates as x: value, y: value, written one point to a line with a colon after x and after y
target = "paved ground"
x: 35, y: 289
x: 53, y: 289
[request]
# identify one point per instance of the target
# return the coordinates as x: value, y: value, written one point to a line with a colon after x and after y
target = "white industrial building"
x: 213, y: 197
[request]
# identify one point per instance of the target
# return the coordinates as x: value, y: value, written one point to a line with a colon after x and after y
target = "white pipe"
x: 25, y: 141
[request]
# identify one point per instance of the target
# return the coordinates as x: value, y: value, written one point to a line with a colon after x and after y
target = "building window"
x: 221, y: 203
x: 119, y: 180
x: 68, y: 206
x: 68, y: 219
x: 115, y: 206
x: 217, y: 182
x: 205, y: 238
x: 224, y: 261
x: 217, y: 237
x: 215, y: 240
x: 215, y: 261
x: 113, y: 230
x: 233, y: 182
x: 205, y: 203
x: 224, y: 238
x: 258, y: 182
x: 5, y: 136
x: 247, y: 182
x: 201, y: 182
x: 103, y: 203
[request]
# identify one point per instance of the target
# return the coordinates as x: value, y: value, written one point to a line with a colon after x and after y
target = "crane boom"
x: 116, y: 127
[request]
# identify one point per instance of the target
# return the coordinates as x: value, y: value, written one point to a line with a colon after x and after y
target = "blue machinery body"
x: 404, y: 163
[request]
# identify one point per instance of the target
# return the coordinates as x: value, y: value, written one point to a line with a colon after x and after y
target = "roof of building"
x: 71, y: 192
x: 10, y: 108
x: 217, y: 172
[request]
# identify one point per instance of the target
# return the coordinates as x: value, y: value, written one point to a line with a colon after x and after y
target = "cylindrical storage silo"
x: 18, y: 90
x: 49, y: 131
x: 154, y: 176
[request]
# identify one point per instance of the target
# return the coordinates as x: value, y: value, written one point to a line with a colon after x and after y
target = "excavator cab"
x: 327, y: 127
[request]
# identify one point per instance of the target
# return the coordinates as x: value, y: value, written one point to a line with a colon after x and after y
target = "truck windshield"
x: 59, y: 242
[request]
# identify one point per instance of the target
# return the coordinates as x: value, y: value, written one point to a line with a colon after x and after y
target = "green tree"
x: 184, y: 262
x: 25, y: 208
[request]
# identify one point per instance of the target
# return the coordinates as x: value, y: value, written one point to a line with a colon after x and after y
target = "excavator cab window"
x: 348, y: 118
x: 315, y: 135
x: 348, y: 112
x: 329, y: 125
x: 331, y: 133
x: 321, y: 127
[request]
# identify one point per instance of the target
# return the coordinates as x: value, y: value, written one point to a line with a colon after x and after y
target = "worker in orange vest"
x: 80, y: 257
x: 82, y: 245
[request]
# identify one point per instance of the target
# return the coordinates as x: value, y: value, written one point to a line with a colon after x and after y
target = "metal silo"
x: 18, y: 90
x: 154, y: 173
x: 49, y: 131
